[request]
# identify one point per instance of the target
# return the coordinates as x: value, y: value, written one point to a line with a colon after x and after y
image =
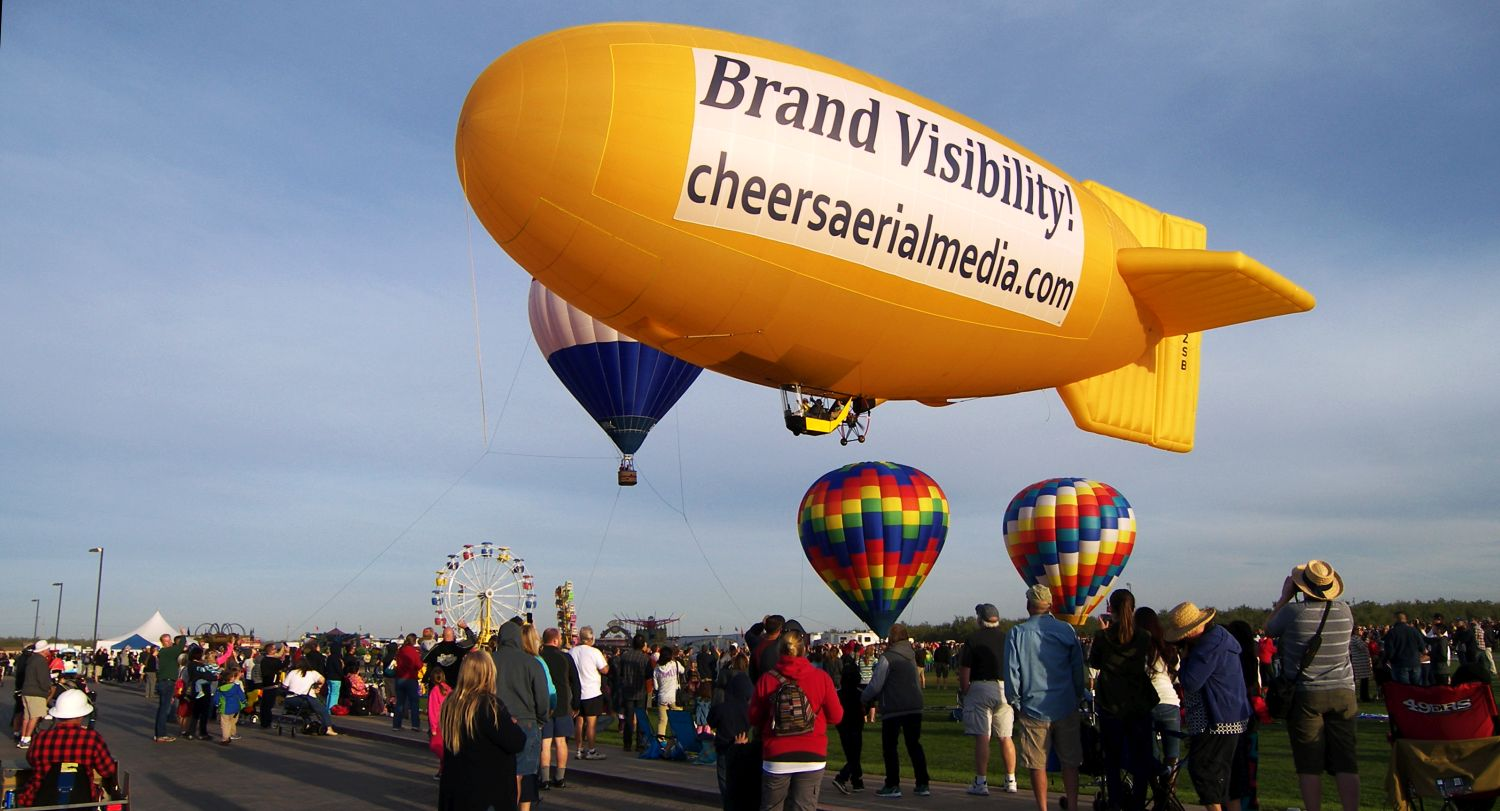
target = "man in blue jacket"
x: 1044, y: 682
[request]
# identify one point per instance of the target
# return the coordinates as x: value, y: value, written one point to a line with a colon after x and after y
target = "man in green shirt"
x: 166, y: 680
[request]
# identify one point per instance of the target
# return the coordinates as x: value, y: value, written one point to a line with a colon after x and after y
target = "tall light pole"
x: 36, y: 620
x: 97, y: 588
x: 57, y: 629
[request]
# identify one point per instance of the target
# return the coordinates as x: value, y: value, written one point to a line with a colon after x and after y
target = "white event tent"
x: 150, y: 630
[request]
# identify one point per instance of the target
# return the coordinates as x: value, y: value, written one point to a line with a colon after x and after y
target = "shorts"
x: 1209, y: 761
x: 529, y: 760
x: 590, y: 707
x: 35, y: 707
x: 985, y: 711
x: 1036, y: 736
x: 557, y: 728
x: 1321, y: 726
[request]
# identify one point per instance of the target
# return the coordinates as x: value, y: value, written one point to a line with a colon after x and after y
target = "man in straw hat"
x: 1044, y: 681
x: 68, y: 741
x: 1213, y: 698
x: 1321, y: 720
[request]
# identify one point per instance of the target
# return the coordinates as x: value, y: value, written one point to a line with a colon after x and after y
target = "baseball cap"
x: 1039, y: 595
x: 987, y: 612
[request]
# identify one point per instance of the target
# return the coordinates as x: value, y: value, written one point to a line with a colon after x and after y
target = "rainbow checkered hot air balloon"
x: 872, y: 531
x: 1073, y: 536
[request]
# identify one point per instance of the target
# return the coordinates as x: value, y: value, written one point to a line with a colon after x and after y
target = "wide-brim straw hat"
x: 1318, y: 580
x: 1184, y: 620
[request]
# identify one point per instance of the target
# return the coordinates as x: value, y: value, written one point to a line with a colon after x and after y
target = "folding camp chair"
x: 680, y: 724
x: 1444, y: 745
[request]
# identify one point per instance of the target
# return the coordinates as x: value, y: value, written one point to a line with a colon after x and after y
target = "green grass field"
x: 950, y: 758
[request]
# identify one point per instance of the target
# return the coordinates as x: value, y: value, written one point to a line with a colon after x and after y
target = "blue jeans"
x: 1167, y: 719
x: 1407, y: 675
x: 311, y: 702
x: 334, y: 687
x: 407, y: 695
x: 164, y: 706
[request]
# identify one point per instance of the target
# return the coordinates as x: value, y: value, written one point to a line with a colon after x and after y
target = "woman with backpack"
x: 793, y: 705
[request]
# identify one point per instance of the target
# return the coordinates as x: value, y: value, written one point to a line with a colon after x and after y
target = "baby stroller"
x: 1161, y: 796
x: 249, y: 713
x: 298, y: 716
x: 77, y: 681
x: 1091, y: 771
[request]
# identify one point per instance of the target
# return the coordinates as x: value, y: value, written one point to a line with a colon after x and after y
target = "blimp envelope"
x: 785, y: 219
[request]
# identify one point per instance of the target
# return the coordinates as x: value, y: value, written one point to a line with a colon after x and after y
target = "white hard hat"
x: 72, y: 704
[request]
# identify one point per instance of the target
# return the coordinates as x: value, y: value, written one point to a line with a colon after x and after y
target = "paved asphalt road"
x: 265, y: 771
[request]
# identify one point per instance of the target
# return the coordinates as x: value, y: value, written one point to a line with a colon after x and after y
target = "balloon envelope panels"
x: 872, y: 531
x: 625, y: 385
x: 1073, y: 536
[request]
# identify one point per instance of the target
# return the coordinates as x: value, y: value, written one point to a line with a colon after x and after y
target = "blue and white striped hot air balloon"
x: 625, y: 385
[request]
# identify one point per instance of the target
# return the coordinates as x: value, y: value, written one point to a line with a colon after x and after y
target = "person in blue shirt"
x: 1044, y: 680
x: 1215, y: 702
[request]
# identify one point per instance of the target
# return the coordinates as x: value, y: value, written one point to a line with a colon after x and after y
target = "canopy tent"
x: 133, y: 642
x: 151, y: 630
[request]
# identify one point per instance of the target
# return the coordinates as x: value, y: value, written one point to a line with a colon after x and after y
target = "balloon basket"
x: 626, y: 477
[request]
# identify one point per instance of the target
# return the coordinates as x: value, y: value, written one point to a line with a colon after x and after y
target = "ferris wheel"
x: 482, y: 586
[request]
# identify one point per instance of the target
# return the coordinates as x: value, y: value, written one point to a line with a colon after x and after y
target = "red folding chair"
x: 1444, y: 745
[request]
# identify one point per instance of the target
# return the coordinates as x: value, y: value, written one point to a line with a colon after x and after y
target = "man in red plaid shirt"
x: 69, y: 742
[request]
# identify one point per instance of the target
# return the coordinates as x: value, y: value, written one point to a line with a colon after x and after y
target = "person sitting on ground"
x: 357, y: 691
x: 302, y: 685
x: 68, y: 741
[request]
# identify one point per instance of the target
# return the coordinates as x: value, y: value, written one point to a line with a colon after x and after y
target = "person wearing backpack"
x: 793, y: 705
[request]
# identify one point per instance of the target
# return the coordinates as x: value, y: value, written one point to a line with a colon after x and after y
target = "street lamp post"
x: 98, y: 587
x: 36, y: 620
x: 57, y: 629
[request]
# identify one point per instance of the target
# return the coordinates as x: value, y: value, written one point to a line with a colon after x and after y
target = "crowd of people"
x: 1153, y: 693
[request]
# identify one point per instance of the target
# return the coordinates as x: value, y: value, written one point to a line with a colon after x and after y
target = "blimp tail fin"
x: 1154, y: 400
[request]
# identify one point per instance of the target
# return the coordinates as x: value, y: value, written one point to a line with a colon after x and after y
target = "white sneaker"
x: 979, y: 789
x: 1010, y: 786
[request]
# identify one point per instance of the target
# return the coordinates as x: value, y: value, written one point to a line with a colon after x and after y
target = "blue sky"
x: 238, y: 344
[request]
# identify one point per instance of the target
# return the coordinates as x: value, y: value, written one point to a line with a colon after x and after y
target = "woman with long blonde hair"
x: 480, y: 743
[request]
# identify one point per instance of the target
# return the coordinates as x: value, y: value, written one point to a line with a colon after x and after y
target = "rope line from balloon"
x: 608, y: 522
x: 489, y: 440
x: 689, y: 523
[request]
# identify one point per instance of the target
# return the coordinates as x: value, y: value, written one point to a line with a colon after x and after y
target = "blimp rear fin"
x: 1192, y: 290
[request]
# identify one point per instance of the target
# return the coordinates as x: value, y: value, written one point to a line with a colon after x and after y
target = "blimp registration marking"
x: 814, y: 160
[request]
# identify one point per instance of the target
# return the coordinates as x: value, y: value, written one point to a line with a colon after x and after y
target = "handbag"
x: 1282, y: 691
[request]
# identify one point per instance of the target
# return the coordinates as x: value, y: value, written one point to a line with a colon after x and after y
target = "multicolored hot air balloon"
x: 873, y: 531
x: 1073, y: 536
x: 625, y: 385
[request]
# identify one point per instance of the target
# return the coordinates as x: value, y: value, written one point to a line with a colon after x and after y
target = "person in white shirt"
x: 302, y: 685
x: 591, y: 668
x: 667, y: 678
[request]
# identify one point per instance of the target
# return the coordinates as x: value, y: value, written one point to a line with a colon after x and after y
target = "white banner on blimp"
x: 809, y: 159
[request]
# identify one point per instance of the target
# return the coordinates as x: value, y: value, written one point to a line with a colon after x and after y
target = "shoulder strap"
x: 1313, y: 644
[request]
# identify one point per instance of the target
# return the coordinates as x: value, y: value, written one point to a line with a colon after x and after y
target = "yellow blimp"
x: 779, y: 217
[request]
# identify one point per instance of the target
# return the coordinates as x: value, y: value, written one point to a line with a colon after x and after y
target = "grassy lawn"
x: 950, y: 758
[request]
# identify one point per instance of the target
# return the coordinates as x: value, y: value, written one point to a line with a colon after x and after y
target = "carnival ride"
x: 482, y: 586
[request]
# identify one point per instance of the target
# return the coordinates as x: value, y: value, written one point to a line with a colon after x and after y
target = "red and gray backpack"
x: 791, y: 712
